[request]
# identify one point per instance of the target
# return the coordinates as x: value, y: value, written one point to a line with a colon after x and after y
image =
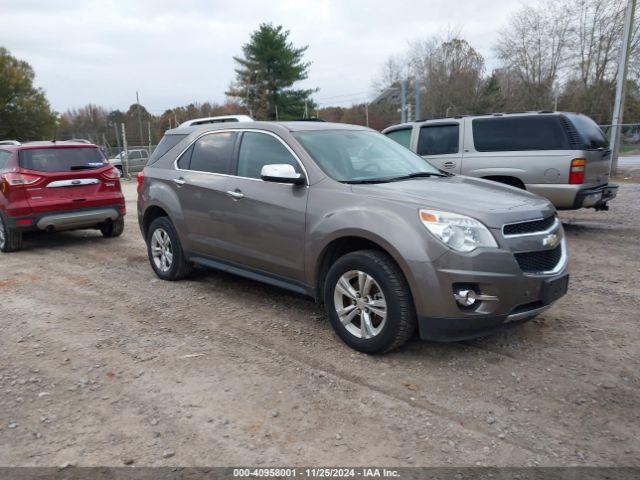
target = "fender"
x: 406, y: 243
x: 160, y: 194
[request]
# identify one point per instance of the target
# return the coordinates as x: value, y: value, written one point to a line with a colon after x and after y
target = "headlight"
x: 459, y: 232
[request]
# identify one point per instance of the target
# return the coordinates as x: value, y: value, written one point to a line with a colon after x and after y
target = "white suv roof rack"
x: 9, y: 142
x: 222, y: 119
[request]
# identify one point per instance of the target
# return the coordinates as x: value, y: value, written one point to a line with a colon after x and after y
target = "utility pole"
x: 366, y: 114
x: 139, y: 117
x: 277, y: 113
x: 115, y: 130
x: 125, y: 158
x: 416, y: 94
x: 618, y: 107
x: 149, y: 129
x: 306, y: 109
x: 403, y: 101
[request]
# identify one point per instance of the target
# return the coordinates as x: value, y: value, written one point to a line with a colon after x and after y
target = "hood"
x: 494, y: 204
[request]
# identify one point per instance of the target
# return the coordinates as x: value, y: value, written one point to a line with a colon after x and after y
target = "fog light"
x: 467, y: 297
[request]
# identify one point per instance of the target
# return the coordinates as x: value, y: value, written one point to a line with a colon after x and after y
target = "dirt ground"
x: 103, y: 364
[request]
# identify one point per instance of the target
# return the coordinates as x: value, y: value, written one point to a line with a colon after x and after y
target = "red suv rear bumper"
x: 67, y: 219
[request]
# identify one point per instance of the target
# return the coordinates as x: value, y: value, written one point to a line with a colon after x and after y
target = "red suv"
x: 57, y: 186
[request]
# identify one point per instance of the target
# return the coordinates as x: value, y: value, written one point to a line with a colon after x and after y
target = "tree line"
x: 554, y: 55
x: 558, y: 54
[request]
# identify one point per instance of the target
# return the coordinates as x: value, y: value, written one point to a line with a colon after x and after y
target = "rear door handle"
x: 179, y: 181
x: 235, y: 194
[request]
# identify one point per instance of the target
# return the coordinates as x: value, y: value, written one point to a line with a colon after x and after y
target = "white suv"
x: 564, y: 157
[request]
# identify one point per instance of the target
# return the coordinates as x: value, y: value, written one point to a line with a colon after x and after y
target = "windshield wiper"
x: 396, y: 179
x: 369, y: 180
x: 418, y: 175
x: 83, y: 167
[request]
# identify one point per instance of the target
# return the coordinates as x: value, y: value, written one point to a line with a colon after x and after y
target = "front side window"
x: 530, y: 132
x: 438, y: 139
x: 61, y: 159
x: 260, y: 149
x: 212, y: 153
x: 361, y: 155
x: 402, y: 136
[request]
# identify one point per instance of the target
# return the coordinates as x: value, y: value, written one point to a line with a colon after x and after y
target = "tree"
x: 265, y: 74
x: 534, y: 47
x: 25, y: 113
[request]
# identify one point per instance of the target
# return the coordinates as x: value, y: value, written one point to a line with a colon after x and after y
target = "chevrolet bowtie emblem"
x: 550, y: 240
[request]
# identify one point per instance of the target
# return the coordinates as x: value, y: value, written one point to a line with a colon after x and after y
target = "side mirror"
x: 281, y: 173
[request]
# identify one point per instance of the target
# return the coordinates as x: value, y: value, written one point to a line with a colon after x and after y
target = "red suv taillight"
x: 576, y: 172
x: 140, y: 180
x: 112, y: 174
x: 15, y: 179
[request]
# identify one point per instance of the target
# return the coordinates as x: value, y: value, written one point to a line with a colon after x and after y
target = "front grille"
x: 529, y: 227
x: 537, y: 262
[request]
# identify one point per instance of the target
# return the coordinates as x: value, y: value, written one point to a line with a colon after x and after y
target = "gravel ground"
x: 103, y: 364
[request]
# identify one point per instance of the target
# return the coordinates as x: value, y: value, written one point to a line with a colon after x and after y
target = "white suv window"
x: 402, y: 136
x: 438, y: 139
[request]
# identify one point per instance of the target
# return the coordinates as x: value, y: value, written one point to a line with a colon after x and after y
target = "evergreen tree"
x: 265, y: 74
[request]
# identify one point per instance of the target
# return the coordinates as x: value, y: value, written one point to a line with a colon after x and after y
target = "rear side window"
x: 185, y: 159
x: 260, y: 149
x: 212, y: 153
x: 135, y: 155
x: 166, y: 144
x: 61, y: 159
x: 4, y: 158
x: 402, y: 136
x: 438, y: 139
x: 589, y: 132
x: 532, y: 132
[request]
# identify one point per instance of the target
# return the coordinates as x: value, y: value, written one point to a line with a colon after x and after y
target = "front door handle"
x: 236, y: 194
x: 179, y: 181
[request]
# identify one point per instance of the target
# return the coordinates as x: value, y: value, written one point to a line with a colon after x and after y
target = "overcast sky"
x: 178, y: 52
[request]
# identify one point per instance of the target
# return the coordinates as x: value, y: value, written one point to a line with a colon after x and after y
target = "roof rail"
x: 221, y: 119
x: 78, y: 140
x: 10, y: 142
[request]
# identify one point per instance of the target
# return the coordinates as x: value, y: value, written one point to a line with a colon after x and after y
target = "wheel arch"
x: 511, y: 180
x: 348, y: 242
x: 150, y: 214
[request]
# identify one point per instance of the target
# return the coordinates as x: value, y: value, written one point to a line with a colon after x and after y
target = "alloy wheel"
x: 360, y: 304
x: 161, y: 250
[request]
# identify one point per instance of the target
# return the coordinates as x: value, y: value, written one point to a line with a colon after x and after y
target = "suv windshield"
x: 61, y: 159
x: 362, y: 156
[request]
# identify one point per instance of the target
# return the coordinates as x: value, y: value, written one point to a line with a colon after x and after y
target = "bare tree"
x: 534, y: 47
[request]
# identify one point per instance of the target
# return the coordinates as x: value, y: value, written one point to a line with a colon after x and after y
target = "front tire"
x: 368, y: 302
x: 10, y: 240
x: 165, y: 251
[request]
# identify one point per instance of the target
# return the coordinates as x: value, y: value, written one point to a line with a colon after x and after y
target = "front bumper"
x: 513, y: 296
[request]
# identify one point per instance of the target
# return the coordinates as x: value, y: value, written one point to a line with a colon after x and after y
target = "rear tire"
x: 165, y: 251
x: 112, y: 229
x: 369, y: 283
x: 10, y: 240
